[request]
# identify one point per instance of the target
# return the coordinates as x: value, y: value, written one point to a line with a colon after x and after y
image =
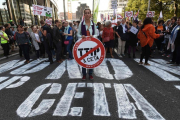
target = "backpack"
x: 143, y: 38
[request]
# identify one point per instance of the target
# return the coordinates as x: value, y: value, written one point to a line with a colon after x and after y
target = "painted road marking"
x: 149, y: 111
x: 64, y: 104
x: 24, y: 68
x: 126, y: 110
x: 76, y: 111
x: 73, y: 70
x: 82, y: 84
x: 79, y: 95
x: 121, y: 70
x: 3, y: 78
x: 100, y: 103
x: 102, y: 71
x: 55, y: 88
x: 21, y: 82
x: 58, y: 72
x: 107, y: 85
x: 37, y: 68
x: 8, y: 82
x: 161, y: 73
x: 26, y: 107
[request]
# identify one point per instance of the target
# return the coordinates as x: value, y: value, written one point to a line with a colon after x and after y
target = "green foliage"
x: 167, y: 7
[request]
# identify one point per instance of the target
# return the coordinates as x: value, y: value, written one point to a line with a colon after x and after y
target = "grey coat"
x: 35, y: 43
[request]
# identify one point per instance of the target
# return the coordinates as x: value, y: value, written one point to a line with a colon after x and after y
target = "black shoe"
x: 134, y: 56
x: 48, y: 61
x: 175, y: 65
x: 129, y: 55
x: 51, y: 62
x: 170, y: 63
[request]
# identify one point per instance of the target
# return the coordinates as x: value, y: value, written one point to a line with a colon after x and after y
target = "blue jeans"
x: 68, y: 48
x: 84, y: 71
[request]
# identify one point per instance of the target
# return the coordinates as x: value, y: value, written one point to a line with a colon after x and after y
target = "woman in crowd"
x: 4, y: 41
x: 10, y: 36
x: 36, y: 41
x: 69, y: 39
x: 175, y: 40
x: 172, y: 26
x: 23, y: 42
x: 147, y: 35
x: 87, y: 28
x: 133, y: 40
x: 166, y: 38
x: 160, y: 29
x: 108, y: 37
x: 42, y: 49
x: 101, y: 28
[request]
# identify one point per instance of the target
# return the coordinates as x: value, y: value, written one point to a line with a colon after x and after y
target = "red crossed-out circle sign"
x: 129, y: 14
x: 150, y: 14
x: 89, y: 52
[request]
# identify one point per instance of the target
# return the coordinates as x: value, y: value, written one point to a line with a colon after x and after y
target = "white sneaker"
x: 120, y: 56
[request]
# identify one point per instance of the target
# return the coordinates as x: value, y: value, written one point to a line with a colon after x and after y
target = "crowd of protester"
x: 57, y: 40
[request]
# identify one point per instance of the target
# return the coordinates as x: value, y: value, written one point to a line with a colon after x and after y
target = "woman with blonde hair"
x: 108, y: 37
x: 36, y: 41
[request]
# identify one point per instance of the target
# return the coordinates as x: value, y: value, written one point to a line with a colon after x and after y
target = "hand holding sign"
x: 89, y: 52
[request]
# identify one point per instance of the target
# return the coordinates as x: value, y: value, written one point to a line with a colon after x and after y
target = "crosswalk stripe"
x: 161, y: 73
x: 148, y: 110
x: 100, y: 103
x: 58, y: 72
x: 22, y: 69
x: 73, y: 69
x: 8, y: 82
x: 121, y: 70
x: 126, y: 110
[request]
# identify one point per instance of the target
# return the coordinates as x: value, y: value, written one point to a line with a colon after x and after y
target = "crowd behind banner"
x: 57, y: 40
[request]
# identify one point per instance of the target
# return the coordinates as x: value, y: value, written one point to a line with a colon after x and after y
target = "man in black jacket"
x: 57, y: 40
x: 177, y: 44
x: 47, y: 40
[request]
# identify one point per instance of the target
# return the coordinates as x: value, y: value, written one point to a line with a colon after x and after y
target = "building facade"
x: 22, y: 9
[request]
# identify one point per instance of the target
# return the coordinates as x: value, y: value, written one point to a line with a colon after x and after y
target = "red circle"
x: 101, y: 46
x: 129, y: 14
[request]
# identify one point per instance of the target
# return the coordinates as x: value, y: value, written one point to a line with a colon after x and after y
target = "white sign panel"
x: 42, y: 10
x: 134, y: 30
x: 150, y: 14
x: 129, y: 14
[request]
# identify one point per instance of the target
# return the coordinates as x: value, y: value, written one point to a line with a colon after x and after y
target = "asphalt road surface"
x: 121, y: 90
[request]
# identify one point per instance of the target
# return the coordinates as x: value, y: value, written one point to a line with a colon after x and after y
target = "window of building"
x: 4, y: 13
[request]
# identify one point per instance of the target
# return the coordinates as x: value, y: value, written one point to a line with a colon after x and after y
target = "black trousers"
x: 177, y: 48
x: 5, y: 48
x: 20, y: 51
x: 48, y: 50
x: 42, y: 48
x: 58, y: 50
x: 145, y: 52
x: 25, y: 49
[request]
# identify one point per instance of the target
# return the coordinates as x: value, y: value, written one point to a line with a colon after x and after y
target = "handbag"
x: 107, y: 39
x: 66, y: 42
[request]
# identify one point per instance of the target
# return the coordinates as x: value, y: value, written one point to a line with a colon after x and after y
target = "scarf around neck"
x: 66, y: 31
x: 174, y: 33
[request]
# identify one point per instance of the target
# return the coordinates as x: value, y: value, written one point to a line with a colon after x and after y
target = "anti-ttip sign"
x: 42, y: 10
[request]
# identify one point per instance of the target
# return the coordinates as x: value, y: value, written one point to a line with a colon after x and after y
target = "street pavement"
x: 121, y: 90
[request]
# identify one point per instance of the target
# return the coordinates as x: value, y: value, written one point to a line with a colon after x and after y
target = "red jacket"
x: 149, y: 31
x: 108, y: 32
